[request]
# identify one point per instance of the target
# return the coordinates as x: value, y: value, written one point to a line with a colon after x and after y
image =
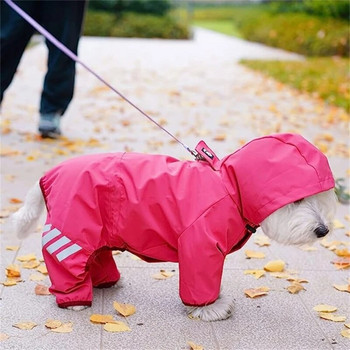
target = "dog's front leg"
x: 221, y: 309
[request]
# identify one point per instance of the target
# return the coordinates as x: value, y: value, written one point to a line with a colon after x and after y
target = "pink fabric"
x: 163, y: 209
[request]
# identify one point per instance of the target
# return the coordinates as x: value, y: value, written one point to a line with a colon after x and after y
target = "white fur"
x: 293, y: 224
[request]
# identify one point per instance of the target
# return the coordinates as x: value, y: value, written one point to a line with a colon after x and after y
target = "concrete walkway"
x: 197, y: 90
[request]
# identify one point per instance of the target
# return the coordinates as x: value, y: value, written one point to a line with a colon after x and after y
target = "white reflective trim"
x: 50, y: 236
x: 47, y: 228
x: 58, y: 244
x: 65, y: 253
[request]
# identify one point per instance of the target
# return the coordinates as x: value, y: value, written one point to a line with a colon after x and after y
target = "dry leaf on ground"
x: 25, y: 325
x: 256, y: 273
x: 40, y: 289
x: 43, y: 269
x: 36, y: 277
x: 13, y: 271
x: 295, y: 288
x: 341, y: 264
x: 28, y: 257
x: 12, y: 247
x: 337, y: 224
x: 31, y: 264
x: 256, y: 292
x: 342, y: 287
x: 64, y: 328
x: 124, y: 309
x: 51, y: 324
x: 98, y: 318
x: 116, y: 326
x: 262, y: 241
x: 275, y: 266
x: 331, y: 317
x: 345, y: 333
x: 3, y: 336
x: 251, y: 254
x: 163, y: 275
x: 282, y: 275
x: 325, y: 308
x: 194, y: 346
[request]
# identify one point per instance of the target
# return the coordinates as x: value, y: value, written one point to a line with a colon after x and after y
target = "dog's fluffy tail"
x: 25, y: 219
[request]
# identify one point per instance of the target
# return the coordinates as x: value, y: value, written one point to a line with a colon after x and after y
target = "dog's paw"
x: 77, y: 307
x: 221, y: 309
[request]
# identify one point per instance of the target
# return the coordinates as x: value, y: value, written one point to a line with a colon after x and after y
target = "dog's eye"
x: 299, y: 201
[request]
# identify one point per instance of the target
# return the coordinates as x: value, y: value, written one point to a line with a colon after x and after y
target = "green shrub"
x: 149, y: 26
x: 100, y: 23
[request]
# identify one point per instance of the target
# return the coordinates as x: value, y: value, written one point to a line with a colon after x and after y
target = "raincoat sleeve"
x: 201, y: 258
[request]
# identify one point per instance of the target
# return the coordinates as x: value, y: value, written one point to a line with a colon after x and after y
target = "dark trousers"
x: 63, y: 19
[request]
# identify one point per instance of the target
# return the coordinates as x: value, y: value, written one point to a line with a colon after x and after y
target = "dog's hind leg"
x: 103, y: 270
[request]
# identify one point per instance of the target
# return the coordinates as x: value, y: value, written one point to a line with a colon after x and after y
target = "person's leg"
x: 15, y: 34
x: 65, y: 23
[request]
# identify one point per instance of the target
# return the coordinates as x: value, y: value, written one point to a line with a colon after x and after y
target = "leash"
x: 75, y: 58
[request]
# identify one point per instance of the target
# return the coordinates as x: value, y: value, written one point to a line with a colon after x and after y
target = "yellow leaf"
x: 194, y: 346
x: 325, y: 308
x: 51, y: 324
x: 298, y: 280
x: 27, y: 257
x: 295, y: 288
x: 31, y: 264
x: 331, y: 317
x: 12, y: 247
x: 342, y: 287
x: 251, y: 254
x: 9, y: 283
x: 262, y: 240
x: 13, y: 271
x: 25, y: 325
x: 124, y: 309
x: 220, y: 137
x: 256, y: 273
x: 308, y: 248
x: 342, y: 252
x: 282, y: 275
x: 64, y: 328
x: 98, y: 318
x: 275, y: 266
x: 3, y: 336
x: 116, y: 326
x: 347, y: 325
x: 345, y: 333
x: 256, y: 292
x: 36, y: 277
x: 163, y: 275
x: 42, y: 268
x: 337, y: 224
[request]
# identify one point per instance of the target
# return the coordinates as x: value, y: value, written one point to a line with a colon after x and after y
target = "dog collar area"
x: 204, y: 153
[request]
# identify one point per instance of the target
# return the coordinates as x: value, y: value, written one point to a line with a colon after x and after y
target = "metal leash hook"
x: 75, y: 58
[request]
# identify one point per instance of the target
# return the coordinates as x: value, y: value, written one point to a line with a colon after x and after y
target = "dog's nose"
x: 321, y: 231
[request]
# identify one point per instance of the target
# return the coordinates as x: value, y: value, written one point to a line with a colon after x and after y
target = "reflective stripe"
x: 50, y: 236
x: 47, y: 228
x: 58, y: 244
x: 65, y: 253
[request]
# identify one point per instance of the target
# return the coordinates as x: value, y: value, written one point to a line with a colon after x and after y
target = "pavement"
x: 197, y: 90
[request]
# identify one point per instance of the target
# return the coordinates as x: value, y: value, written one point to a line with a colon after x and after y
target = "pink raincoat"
x: 163, y: 209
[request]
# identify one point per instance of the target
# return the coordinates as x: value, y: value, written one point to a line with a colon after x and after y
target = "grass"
x: 328, y: 78
x: 221, y: 26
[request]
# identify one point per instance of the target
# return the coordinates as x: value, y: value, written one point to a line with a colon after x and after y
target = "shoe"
x: 49, y: 125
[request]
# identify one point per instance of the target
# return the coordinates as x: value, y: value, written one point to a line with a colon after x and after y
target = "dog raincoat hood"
x: 163, y: 209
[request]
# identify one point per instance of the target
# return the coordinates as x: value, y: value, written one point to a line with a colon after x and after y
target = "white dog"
x: 163, y: 209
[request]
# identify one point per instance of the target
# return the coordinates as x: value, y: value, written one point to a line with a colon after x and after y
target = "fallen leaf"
x: 124, y: 309
x: 36, y: 277
x: 341, y: 264
x: 325, y: 308
x: 345, y: 333
x: 13, y: 271
x: 163, y: 275
x: 256, y: 273
x: 337, y: 224
x: 308, y: 248
x: 101, y: 319
x: 51, y: 324
x: 25, y: 325
x: 331, y: 317
x: 347, y: 325
x: 220, y: 137
x: 262, y: 241
x: 41, y: 289
x: 27, y: 257
x: 116, y: 326
x: 298, y: 280
x: 295, y: 288
x: 251, y: 254
x: 15, y: 201
x: 342, y: 252
x: 275, y: 266
x: 12, y: 247
x: 283, y: 275
x: 3, y: 336
x: 4, y: 213
x: 342, y: 287
x: 31, y: 264
x: 256, y: 292
x: 64, y: 328
x: 194, y: 346
x: 42, y: 268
